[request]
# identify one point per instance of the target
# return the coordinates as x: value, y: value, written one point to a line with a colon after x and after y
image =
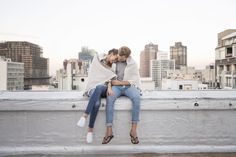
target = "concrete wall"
x: 171, y: 121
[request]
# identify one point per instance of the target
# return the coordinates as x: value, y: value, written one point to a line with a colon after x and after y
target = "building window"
x: 229, y: 52
x: 180, y: 87
x: 228, y: 68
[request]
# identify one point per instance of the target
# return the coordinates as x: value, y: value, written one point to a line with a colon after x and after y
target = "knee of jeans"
x: 99, y: 87
x: 110, y: 102
x: 111, y: 99
x: 136, y: 98
x: 97, y: 104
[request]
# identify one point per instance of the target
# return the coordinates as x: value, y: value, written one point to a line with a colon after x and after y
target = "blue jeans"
x: 129, y: 91
x: 95, y: 96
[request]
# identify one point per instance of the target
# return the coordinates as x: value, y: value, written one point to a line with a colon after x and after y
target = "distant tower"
x: 86, y: 54
x: 179, y: 54
x: 159, y: 68
x: 149, y: 53
x: 85, y: 58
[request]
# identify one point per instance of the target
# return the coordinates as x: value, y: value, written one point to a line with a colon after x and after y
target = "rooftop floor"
x: 138, y: 155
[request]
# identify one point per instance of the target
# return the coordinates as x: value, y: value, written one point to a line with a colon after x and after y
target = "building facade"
x: 178, y: 52
x: 184, y: 73
x: 169, y: 84
x: 11, y: 75
x: 204, y: 77
x: 225, y: 59
x: 73, y: 76
x: 36, y: 68
x: 149, y: 53
x: 159, y: 68
x: 208, y: 76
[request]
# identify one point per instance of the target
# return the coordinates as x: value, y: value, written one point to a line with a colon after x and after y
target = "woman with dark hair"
x: 98, y: 86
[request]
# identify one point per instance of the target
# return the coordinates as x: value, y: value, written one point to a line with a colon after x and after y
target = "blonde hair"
x: 124, y: 51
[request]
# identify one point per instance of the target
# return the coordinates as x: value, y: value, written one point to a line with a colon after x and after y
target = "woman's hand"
x: 110, y: 92
x: 109, y: 89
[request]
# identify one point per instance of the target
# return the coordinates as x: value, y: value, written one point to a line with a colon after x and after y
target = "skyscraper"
x: 179, y: 54
x: 35, y: 66
x: 86, y: 54
x: 159, y: 68
x: 85, y: 57
x: 149, y: 53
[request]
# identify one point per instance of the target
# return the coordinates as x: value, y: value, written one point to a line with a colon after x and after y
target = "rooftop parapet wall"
x: 151, y: 100
x: 184, y: 121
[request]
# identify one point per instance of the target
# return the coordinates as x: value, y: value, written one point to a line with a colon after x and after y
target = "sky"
x: 62, y: 27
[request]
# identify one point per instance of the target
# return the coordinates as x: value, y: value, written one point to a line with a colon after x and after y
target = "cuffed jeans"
x: 129, y: 91
x: 95, y: 96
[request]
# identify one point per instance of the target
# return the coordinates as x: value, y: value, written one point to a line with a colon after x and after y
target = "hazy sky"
x: 61, y: 27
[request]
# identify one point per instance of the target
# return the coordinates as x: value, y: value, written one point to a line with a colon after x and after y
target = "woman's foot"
x: 89, y: 137
x: 82, y: 121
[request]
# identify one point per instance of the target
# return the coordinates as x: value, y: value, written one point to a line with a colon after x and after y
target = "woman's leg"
x: 95, y: 109
x: 95, y: 97
x: 93, y: 115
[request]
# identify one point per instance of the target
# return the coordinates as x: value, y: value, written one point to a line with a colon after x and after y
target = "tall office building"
x: 86, y: 54
x: 149, y: 53
x: 159, y: 68
x: 225, y: 59
x: 179, y: 54
x: 35, y: 66
x: 85, y: 58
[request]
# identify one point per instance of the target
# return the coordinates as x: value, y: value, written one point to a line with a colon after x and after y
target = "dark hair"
x: 113, y: 51
x: 124, y: 51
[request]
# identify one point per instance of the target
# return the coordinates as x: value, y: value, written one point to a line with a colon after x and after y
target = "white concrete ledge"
x: 164, y: 94
x: 121, y: 104
x: 114, y: 149
x: 152, y: 100
x: 171, y: 122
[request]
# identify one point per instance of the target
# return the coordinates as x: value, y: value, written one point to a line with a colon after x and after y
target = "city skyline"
x: 61, y: 28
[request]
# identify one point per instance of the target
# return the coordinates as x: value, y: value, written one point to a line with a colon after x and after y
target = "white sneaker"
x: 81, y: 122
x: 89, y: 137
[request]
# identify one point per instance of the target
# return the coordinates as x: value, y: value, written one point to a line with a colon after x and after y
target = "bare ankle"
x: 85, y: 115
x: 90, y: 129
